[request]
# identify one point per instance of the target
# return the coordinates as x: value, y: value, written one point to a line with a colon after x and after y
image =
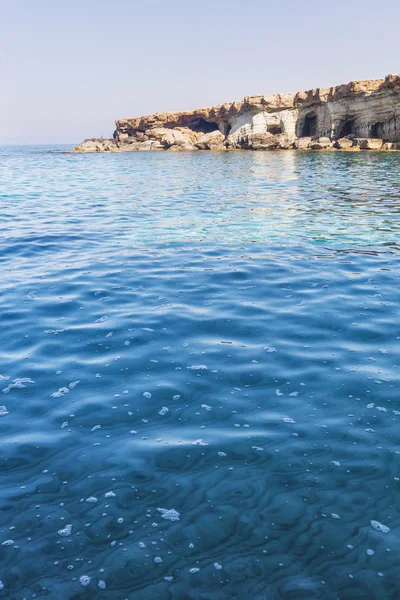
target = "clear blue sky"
x: 69, y: 68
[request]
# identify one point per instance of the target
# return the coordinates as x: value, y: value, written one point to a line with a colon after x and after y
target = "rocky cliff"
x: 358, y: 115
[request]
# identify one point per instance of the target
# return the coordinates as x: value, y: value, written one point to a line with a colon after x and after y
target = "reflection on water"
x: 199, y: 376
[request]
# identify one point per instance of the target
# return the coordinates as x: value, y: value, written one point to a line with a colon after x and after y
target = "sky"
x: 69, y: 68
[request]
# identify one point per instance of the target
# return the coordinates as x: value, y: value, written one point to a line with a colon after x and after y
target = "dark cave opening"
x: 202, y: 126
x: 376, y: 130
x: 274, y: 129
x: 309, y: 128
x: 347, y: 128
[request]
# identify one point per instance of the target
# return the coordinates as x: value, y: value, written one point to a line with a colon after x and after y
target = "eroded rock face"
x: 360, y: 114
x: 171, y: 137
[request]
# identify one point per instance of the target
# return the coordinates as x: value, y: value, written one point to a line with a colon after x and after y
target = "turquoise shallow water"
x: 199, y: 376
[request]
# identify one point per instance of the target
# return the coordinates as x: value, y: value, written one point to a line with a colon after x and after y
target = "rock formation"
x: 360, y: 115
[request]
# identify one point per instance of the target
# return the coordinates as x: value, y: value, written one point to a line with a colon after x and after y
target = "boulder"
x: 260, y: 141
x: 284, y: 142
x: 303, y: 143
x: 321, y: 143
x: 170, y: 137
x: 180, y: 148
x: 389, y: 146
x: 369, y: 143
x: 211, y: 141
x: 343, y: 143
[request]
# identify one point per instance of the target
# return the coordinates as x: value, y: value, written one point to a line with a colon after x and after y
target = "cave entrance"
x: 347, y: 128
x: 225, y: 128
x: 202, y: 126
x: 376, y: 130
x: 309, y: 128
x: 274, y: 129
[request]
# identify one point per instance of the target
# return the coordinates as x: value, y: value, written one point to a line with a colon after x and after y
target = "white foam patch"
x: 54, y: 331
x: 84, y: 580
x: 169, y: 514
x: 17, y: 384
x: 66, y: 532
x: 60, y: 392
x: 380, y: 527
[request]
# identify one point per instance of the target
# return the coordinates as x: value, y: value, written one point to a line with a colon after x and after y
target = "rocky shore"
x: 361, y: 115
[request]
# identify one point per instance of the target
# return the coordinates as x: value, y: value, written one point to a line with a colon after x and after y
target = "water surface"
x: 215, y: 335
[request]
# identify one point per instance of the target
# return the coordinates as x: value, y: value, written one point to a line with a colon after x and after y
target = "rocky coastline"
x: 360, y: 115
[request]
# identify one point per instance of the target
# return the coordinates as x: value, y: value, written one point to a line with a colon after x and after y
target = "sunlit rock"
x: 358, y: 115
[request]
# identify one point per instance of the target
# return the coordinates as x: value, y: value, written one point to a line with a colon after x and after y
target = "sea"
x: 199, y: 375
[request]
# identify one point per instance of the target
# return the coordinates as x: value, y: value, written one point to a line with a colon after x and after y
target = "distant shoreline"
x: 360, y: 115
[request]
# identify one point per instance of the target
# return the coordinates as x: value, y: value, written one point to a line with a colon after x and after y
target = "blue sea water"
x: 199, y: 375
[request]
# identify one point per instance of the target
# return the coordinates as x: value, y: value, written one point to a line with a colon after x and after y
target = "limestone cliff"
x: 358, y: 115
